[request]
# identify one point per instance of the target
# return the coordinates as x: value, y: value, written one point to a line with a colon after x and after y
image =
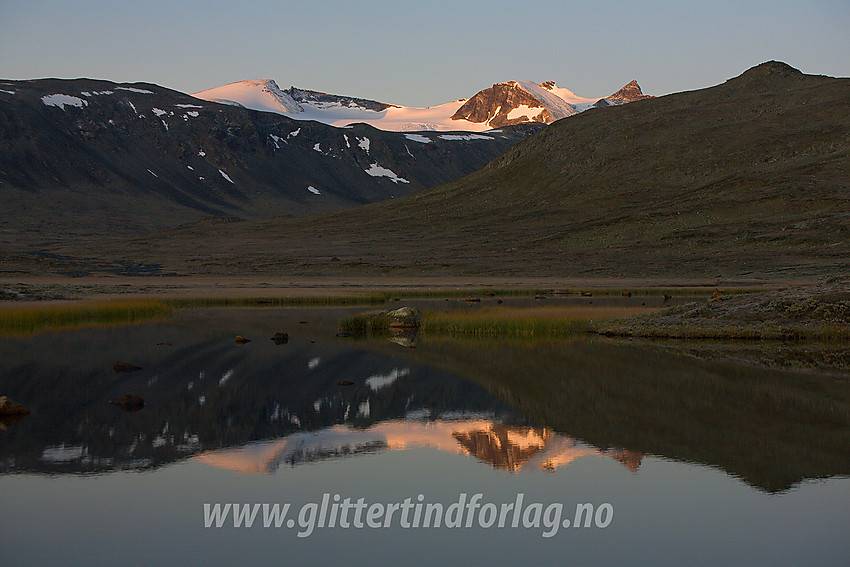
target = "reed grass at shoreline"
x: 536, y: 321
x: 29, y: 319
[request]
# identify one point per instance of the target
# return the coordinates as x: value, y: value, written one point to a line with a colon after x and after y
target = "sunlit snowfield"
x: 692, y: 460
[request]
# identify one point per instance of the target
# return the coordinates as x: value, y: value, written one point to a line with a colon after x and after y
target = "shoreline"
x: 62, y: 288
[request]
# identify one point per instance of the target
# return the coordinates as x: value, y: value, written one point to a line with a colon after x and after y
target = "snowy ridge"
x: 263, y: 95
x: 580, y: 103
x: 553, y: 103
x: 545, y: 102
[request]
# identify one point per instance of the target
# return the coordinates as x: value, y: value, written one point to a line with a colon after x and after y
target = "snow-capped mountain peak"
x: 514, y: 102
x: 503, y: 104
x: 261, y: 94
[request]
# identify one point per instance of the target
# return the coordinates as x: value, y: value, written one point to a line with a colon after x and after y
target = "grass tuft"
x: 521, y: 322
x: 32, y: 319
x: 365, y: 324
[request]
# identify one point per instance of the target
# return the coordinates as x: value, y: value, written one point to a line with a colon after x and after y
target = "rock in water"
x: 11, y: 408
x: 405, y: 317
x: 407, y: 337
x: 280, y: 338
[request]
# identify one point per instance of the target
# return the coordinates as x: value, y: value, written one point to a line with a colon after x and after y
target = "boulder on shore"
x: 405, y: 318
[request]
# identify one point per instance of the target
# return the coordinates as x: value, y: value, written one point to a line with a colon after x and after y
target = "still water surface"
x: 694, y: 461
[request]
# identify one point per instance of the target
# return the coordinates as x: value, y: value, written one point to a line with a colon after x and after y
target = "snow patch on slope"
x: 379, y: 381
x: 63, y: 100
x: 418, y: 138
x: 464, y: 137
x: 525, y: 110
x: 376, y: 170
x: 134, y: 90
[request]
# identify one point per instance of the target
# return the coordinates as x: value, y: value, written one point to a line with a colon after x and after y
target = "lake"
x: 325, y: 449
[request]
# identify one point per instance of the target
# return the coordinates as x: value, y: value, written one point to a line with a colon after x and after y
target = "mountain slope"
x: 83, y: 158
x: 503, y: 104
x: 748, y: 179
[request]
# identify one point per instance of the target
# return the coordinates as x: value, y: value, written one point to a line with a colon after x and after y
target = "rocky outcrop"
x: 304, y: 95
x: 821, y: 312
x: 495, y: 105
x: 629, y: 93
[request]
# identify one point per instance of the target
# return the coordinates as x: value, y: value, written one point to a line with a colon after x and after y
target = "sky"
x: 421, y: 53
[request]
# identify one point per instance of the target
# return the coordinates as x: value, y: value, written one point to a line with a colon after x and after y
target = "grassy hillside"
x: 745, y: 179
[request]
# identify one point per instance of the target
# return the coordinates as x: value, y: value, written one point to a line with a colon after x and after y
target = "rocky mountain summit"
x: 509, y: 103
x: 515, y: 102
x: 629, y: 93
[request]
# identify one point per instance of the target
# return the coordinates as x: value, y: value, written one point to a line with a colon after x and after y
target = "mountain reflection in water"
x: 518, y: 407
x: 508, y: 447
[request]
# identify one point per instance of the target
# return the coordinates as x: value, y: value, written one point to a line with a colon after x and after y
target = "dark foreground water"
x: 669, y: 458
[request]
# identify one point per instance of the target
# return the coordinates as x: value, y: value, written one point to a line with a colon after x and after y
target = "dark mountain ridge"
x: 87, y: 159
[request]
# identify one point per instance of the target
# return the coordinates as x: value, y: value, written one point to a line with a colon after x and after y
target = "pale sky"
x: 421, y: 53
